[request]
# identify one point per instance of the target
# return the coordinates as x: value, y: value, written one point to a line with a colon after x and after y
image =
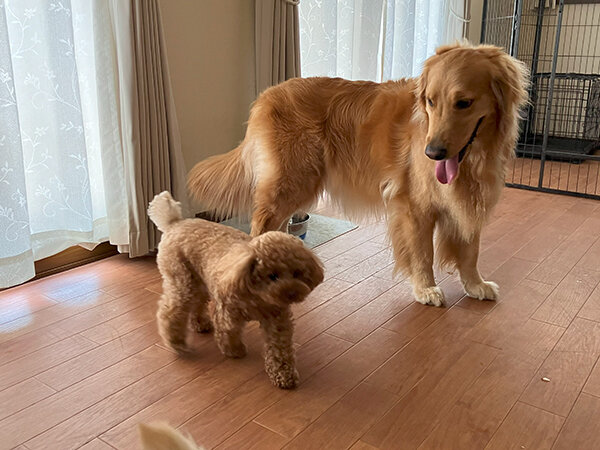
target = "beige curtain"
x: 277, y: 35
x: 152, y: 157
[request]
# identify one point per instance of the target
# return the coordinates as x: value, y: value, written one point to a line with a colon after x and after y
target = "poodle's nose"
x: 436, y: 152
x: 292, y: 296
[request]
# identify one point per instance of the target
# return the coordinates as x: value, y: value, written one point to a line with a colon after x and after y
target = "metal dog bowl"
x: 298, y: 226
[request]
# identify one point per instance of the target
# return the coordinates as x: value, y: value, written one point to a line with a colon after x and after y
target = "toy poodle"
x: 247, y: 278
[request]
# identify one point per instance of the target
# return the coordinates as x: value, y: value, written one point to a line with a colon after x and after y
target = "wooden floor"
x: 583, y: 178
x: 81, y: 363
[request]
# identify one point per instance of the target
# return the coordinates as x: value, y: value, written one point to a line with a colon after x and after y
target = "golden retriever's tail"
x: 160, y: 436
x: 223, y: 184
x: 164, y: 211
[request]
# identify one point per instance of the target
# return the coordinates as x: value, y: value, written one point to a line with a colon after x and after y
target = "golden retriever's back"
x: 340, y: 131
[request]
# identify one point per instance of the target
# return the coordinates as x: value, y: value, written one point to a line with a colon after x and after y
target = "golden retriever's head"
x: 463, y: 91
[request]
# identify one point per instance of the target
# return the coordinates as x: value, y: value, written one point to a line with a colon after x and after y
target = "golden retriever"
x: 162, y: 436
x: 430, y: 153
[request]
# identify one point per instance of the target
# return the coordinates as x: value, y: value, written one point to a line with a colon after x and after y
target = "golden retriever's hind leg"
x: 466, y: 261
x: 272, y: 211
x: 412, y: 241
x: 291, y: 179
x: 284, y: 226
x: 265, y: 219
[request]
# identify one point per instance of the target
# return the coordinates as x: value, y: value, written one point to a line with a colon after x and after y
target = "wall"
x: 474, y: 33
x: 210, y: 46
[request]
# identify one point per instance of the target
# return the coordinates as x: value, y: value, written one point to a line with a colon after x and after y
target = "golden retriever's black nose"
x: 435, y: 152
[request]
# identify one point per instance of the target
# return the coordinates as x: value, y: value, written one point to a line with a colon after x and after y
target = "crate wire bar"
x: 559, y: 40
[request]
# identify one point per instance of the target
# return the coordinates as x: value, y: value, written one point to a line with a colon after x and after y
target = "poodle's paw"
x: 486, y: 290
x: 430, y: 296
x: 234, y: 351
x: 286, y: 377
x: 204, y: 325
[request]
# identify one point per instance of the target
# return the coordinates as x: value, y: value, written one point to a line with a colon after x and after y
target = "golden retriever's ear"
x: 421, y: 88
x: 510, y: 79
x: 422, y: 80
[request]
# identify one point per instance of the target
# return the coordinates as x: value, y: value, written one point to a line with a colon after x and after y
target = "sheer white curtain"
x: 61, y: 165
x: 375, y: 39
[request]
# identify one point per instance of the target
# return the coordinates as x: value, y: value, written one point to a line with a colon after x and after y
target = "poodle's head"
x: 275, y: 267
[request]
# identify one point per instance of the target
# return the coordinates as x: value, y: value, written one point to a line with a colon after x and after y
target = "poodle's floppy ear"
x: 317, y: 272
x: 237, y: 267
x: 510, y: 79
x: 160, y: 436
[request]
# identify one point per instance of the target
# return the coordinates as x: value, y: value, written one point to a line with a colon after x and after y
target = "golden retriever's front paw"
x: 487, y: 290
x: 430, y: 296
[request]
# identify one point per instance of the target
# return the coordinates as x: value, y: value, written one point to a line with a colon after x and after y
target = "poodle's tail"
x: 223, y: 184
x: 164, y: 211
x: 160, y: 436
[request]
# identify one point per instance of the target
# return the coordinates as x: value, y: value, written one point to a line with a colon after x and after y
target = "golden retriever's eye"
x: 463, y: 104
x: 273, y: 276
x: 430, y: 102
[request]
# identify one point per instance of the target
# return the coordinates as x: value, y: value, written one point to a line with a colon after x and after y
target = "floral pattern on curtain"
x: 375, y: 40
x: 57, y: 111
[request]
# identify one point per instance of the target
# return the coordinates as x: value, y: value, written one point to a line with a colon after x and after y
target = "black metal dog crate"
x: 559, y: 40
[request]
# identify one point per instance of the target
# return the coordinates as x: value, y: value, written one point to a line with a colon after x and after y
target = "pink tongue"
x: 446, y: 170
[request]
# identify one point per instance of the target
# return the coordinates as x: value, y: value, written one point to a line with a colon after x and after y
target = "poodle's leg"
x: 175, y: 306
x: 467, y: 254
x: 228, y: 332
x: 203, y: 322
x: 412, y: 240
x: 280, y: 361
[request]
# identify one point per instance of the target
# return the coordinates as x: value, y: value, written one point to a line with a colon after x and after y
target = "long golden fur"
x: 247, y: 278
x: 372, y: 147
x: 162, y: 436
